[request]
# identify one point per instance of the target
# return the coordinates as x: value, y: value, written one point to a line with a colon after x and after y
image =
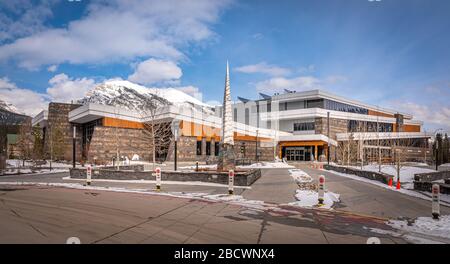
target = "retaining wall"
x: 381, y: 177
x: 241, y: 178
x: 424, y: 181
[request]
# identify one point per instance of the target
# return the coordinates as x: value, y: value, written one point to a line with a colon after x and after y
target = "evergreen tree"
x: 446, y: 149
x: 59, y: 148
x: 440, y: 149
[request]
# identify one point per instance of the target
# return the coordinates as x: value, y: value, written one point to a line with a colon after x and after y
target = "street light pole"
x: 328, y: 135
x: 74, y: 145
x: 436, y: 148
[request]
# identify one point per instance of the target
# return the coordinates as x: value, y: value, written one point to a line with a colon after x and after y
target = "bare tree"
x: 156, y: 130
x: 24, y: 143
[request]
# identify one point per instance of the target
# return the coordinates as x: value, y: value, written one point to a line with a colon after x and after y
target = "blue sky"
x: 392, y: 53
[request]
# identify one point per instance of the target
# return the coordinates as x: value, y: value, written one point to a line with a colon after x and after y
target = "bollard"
x: 88, y: 175
x: 230, y: 182
x: 158, y: 178
x: 398, y: 185
x: 321, y: 189
x: 435, y: 207
x: 196, y: 166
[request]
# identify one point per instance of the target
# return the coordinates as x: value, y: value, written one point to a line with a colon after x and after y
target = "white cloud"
x: 437, y: 115
x: 155, y: 71
x: 25, y: 100
x: 307, y: 69
x: 192, y: 91
x: 298, y: 84
x: 52, y: 68
x: 64, y: 89
x: 22, y: 18
x: 265, y: 68
x: 119, y: 30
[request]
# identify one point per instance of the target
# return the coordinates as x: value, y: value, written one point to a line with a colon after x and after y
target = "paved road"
x: 366, y: 198
x: 51, y: 215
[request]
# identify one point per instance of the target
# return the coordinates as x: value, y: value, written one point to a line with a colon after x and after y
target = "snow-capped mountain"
x: 136, y: 97
x: 8, y: 107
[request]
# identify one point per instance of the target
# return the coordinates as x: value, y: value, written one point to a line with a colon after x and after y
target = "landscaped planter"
x: 242, y: 178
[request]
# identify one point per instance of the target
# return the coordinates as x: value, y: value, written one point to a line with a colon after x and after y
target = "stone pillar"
x: 315, y: 153
x: 203, y: 147
x: 213, y: 146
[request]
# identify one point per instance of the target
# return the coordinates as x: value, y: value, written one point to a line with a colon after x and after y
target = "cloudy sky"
x: 391, y: 53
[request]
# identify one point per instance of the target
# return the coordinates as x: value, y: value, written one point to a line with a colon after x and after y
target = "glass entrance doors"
x: 298, y: 153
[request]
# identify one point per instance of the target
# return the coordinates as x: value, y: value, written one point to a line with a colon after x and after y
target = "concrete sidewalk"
x: 367, y: 198
x: 274, y: 186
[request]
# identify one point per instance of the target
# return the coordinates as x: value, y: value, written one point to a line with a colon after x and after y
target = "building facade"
x: 296, y: 126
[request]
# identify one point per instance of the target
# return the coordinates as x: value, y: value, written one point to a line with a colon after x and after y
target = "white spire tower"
x: 227, y: 119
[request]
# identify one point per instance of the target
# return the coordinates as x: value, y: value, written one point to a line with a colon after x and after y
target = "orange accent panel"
x: 375, y: 113
x: 411, y: 128
x: 114, y: 122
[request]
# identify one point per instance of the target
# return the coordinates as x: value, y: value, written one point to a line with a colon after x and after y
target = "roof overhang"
x: 310, y: 137
x: 383, y: 135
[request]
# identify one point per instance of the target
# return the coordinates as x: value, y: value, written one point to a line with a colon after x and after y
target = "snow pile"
x: 8, y: 107
x: 300, y: 176
x: 266, y: 165
x: 309, y: 198
x: 201, y: 167
x: 426, y: 226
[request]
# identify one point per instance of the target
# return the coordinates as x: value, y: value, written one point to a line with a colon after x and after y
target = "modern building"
x: 296, y: 126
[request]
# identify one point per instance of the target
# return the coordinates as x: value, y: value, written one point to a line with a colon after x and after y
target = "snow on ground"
x: 426, y: 226
x: 196, y: 183
x: 266, y: 165
x: 300, y: 176
x: 406, y: 172
x: 309, y: 198
x: 209, y: 167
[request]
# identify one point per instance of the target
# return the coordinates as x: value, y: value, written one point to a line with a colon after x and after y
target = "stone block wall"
x: 130, y: 141
x: 424, y: 181
x: 381, y: 177
x: 58, y: 119
x: 336, y: 126
x: 243, y: 178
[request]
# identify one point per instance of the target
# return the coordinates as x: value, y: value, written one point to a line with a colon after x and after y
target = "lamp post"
x: 175, y: 127
x: 436, y: 147
x: 256, y: 147
x: 74, y: 145
x: 328, y: 137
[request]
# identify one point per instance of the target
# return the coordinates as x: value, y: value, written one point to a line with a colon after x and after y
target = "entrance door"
x: 295, y: 153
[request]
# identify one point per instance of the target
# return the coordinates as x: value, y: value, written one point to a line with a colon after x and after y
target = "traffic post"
x: 230, y: 182
x: 435, y: 206
x: 158, y: 178
x: 321, y: 192
x: 88, y: 175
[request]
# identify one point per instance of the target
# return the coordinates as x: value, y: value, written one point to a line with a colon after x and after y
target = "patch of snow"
x: 194, y: 183
x: 300, y: 176
x: 425, y: 225
x: 211, y: 167
x: 309, y: 199
x: 266, y: 165
x: 135, y: 157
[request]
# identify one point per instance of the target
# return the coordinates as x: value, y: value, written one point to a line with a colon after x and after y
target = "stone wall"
x: 336, y: 126
x: 424, y: 181
x: 105, y: 140
x: 58, y: 119
x: 245, y: 178
x: 381, y: 177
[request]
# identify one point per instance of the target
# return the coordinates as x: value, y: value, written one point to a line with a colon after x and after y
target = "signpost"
x: 88, y: 175
x: 321, y: 189
x: 175, y: 127
x: 435, y: 207
x: 158, y: 178
x: 74, y: 145
x: 230, y: 182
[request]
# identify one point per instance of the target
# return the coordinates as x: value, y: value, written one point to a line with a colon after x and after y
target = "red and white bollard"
x: 390, y: 182
x: 321, y: 190
x: 230, y: 182
x: 435, y: 206
x: 158, y: 178
x: 88, y: 175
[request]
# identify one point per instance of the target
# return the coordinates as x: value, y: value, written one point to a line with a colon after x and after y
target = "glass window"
x: 208, y: 148
x: 247, y: 116
x: 304, y: 126
x: 199, y: 147
x: 216, y: 148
